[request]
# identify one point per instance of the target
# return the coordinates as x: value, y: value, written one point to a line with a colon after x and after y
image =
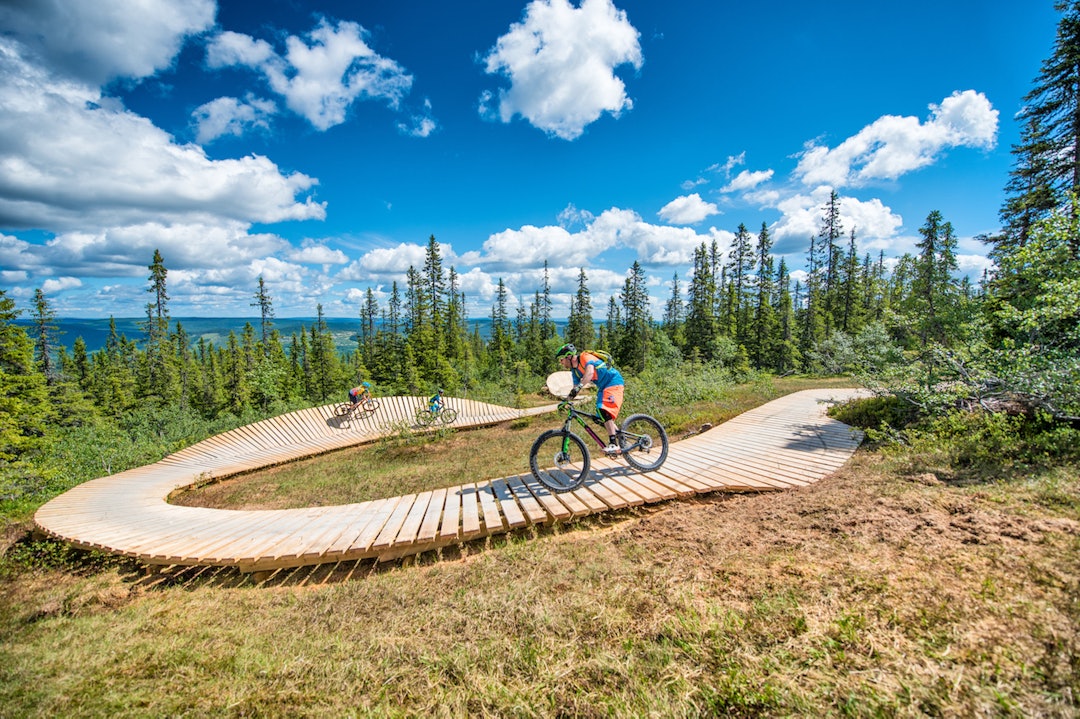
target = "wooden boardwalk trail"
x: 786, y: 443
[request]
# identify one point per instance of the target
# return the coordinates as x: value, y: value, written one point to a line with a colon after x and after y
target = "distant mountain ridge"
x: 215, y: 330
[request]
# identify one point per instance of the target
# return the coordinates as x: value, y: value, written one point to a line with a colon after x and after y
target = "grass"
x: 875, y: 592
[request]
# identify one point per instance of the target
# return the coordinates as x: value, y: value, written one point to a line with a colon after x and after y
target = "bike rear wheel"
x: 559, y: 460
x: 424, y: 417
x: 644, y: 442
x: 447, y: 415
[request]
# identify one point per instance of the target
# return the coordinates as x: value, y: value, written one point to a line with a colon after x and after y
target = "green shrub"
x: 979, y: 440
x: 872, y: 413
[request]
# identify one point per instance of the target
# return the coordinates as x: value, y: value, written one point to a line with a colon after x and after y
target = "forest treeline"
x: 738, y: 310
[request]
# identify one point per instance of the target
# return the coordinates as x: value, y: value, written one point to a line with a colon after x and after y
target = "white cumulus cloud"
x: 320, y: 75
x: 747, y: 180
x: 875, y: 224
x: 68, y: 159
x: 892, y: 146
x: 687, y: 210
x: 98, y: 41
x: 231, y: 116
x: 561, y: 62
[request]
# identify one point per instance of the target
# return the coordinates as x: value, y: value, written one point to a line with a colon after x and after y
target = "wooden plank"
x: 353, y: 524
x: 281, y: 538
x: 411, y: 526
x: 531, y: 508
x: 680, y: 489
x: 604, y: 493
x: 371, y: 532
x: 429, y: 528
x: 626, y: 481
x: 589, y: 498
x: 658, y: 490
x: 470, y: 512
x: 624, y: 495
x: 346, y: 524
x: 721, y: 478
x: 555, y: 509
x: 493, y: 519
x: 780, y: 475
x: 280, y: 541
x: 509, y: 506
x: 393, y: 524
x: 450, y: 529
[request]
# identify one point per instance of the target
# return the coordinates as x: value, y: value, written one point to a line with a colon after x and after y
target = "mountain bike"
x: 346, y: 412
x: 427, y: 416
x: 643, y: 443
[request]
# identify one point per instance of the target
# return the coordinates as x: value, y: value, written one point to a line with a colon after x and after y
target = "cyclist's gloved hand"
x: 573, y: 393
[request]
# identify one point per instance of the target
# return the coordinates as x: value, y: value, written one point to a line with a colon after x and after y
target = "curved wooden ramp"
x: 786, y: 443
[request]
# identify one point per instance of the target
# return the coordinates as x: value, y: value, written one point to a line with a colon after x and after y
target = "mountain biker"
x: 361, y: 393
x: 435, y: 402
x: 587, y: 368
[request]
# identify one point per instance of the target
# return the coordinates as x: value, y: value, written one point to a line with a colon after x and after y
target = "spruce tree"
x: 1047, y: 165
x: 45, y: 328
x: 266, y: 314
x: 579, y: 324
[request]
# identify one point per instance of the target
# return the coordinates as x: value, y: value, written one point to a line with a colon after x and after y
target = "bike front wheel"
x: 447, y: 416
x: 644, y: 442
x: 370, y: 405
x: 559, y: 460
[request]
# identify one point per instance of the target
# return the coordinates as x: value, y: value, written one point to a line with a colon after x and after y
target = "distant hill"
x: 216, y: 330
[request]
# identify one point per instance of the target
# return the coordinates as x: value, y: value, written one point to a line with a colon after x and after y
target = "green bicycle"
x: 426, y: 416
x: 643, y: 443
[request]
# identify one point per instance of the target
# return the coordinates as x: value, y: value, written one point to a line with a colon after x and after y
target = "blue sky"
x: 320, y: 144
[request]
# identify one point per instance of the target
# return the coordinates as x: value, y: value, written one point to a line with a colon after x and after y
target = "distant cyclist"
x: 587, y: 368
x: 360, y: 394
x: 435, y: 402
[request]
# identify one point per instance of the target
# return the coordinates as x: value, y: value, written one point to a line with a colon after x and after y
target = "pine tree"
x: 811, y: 325
x: 634, y: 338
x: 369, y: 312
x: 454, y: 327
x: 673, y: 315
x: 849, y: 285
x: 785, y: 355
x: 831, y: 232
x: 579, y: 325
x: 45, y: 328
x: 934, y: 288
x: 740, y: 265
x: 158, y: 381
x: 500, y: 345
x: 266, y: 313
x: 764, y: 325
x: 701, y: 325
x: 547, y: 324
x: 1047, y: 166
x: 435, y: 295
x: 23, y: 400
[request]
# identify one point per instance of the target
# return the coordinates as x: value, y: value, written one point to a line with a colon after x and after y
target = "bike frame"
x: 575, y: 414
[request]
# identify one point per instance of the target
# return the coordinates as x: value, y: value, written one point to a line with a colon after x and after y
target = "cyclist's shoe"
x: 612, y: 450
